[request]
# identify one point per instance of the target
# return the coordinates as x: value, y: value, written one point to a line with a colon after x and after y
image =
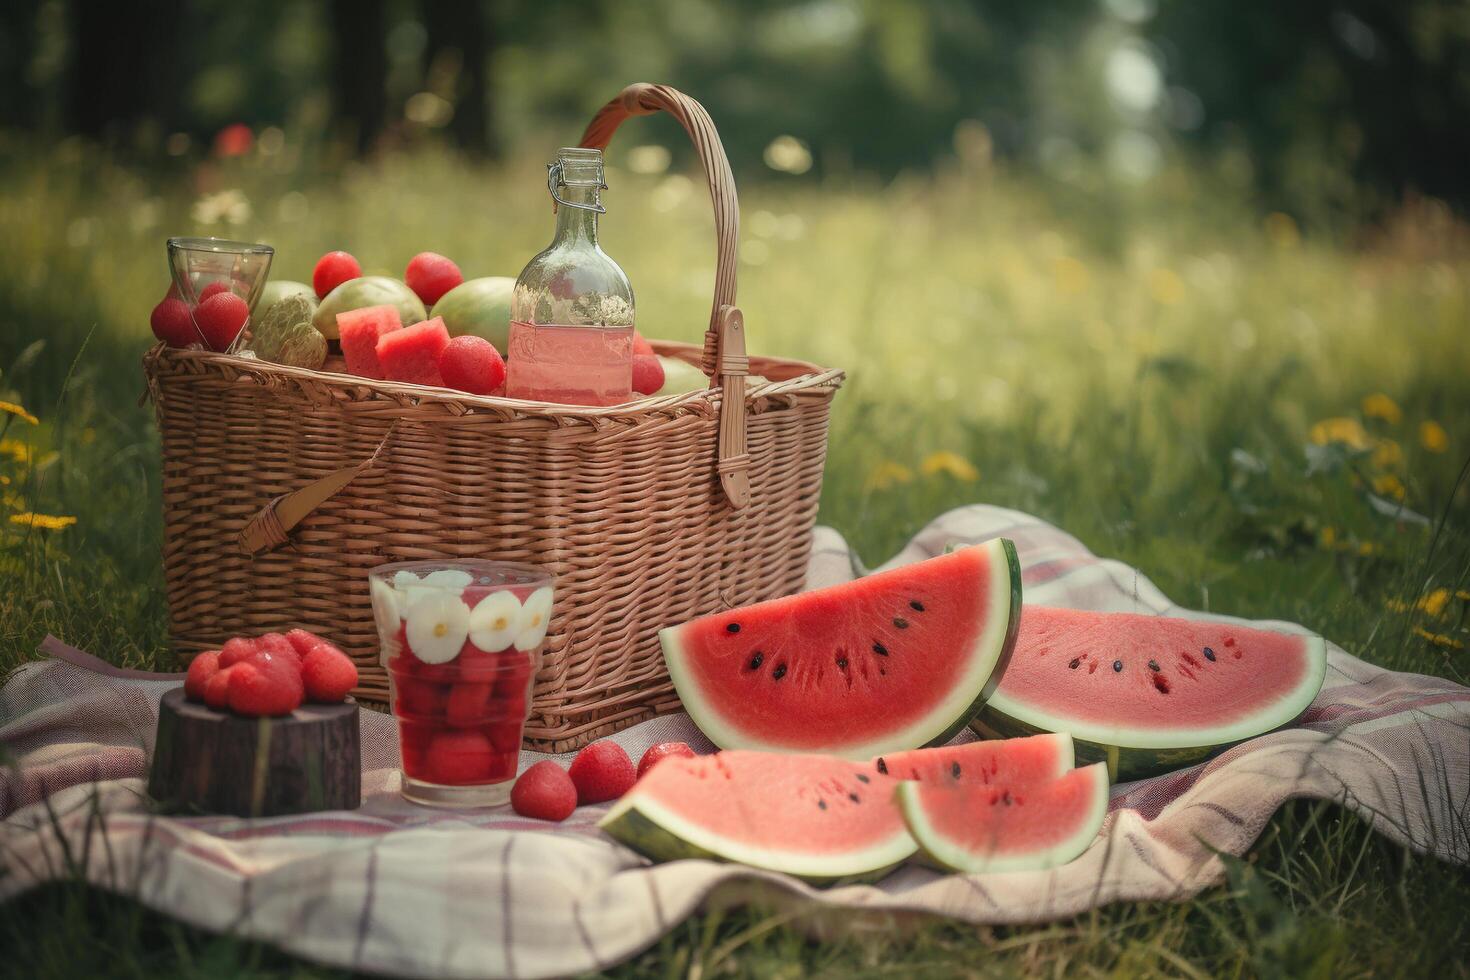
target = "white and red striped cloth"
x: 393, y: 887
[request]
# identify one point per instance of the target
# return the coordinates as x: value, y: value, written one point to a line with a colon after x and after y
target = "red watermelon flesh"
x: 411, y: 353
x: 813, y: 816
x: 1131, y: 681
x: 978, y: 828
x: 359, y: 332
x: 889, y: 662
x: 992, y: 762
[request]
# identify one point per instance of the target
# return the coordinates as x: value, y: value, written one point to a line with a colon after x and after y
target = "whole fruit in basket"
x: 173, y: 324
x: 355, y: 294
x: 480, y: 307
x: 278, y: 289
x: 680, y: 376
x: 332, y: 270
x: 648, y: 374
x: 285, y: 334
x: 472, y: 364
x: 431, y: 275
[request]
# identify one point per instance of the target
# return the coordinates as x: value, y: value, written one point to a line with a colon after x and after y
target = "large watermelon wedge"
x: 977, y: 828
x: 1147, y: 694
x: 991, y: 762
x: 817, y: 817
x: 888, y: 662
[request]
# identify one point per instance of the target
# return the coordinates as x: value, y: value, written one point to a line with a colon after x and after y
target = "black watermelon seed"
x: 854, y: 797
x: 779, y: 672
x: 880, y: 649
x: 821, y: 804
x: 882, y: 766
x: 1118, y: 666
x: 757, y: 660
x: 954, y: 768
x: 841, y: 663
x: 916, y: 605
x: 1075, y: 662
x: 862, y: 778
x: 1209, y: 655
x: 732, y: 627
x: 900, y: 622
x: 1153, y: 665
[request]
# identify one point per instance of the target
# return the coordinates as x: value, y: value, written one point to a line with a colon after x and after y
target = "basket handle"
x: 724, y: 342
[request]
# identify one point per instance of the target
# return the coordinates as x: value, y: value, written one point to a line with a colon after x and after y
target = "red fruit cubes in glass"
x: 359, y: 332
x: 412, y: 353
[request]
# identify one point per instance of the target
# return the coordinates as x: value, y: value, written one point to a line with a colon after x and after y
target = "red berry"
x: 660, y: 752
x: 236, y: 649
x: 467, y: 705
x: 204, y: 666
x: 173, y: 324
x: 215, y: 288
x: 303, y: 641
x: 220, y: 319
x: 328, y: 674
x: 648, y: 374
x: 544, y: 792
x: 217, y: 690
x: 431, y: 275
x: 277, y: 645
x: 472, y: 364
x: 602, y: 771
x: 332, y: 270
x: 414, y: 698
x: 460, y: 757
x: 641, y: 344
x: 265, y: 686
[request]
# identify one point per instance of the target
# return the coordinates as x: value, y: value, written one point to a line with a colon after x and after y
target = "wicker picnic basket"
x: 283, y: 486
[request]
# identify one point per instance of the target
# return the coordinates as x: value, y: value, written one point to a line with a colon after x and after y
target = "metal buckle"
x: 554, y: 180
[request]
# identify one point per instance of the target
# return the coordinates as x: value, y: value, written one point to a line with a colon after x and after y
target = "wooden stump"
x: 217, y: 762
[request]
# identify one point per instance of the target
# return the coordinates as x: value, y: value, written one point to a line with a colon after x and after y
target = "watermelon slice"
x: 1150, y: 693
x: 359, y: 331
x: 816, y: 817
x: 888, y: 662
x: 976, y: 828
x: 412, y: 353
x: 993, y: 762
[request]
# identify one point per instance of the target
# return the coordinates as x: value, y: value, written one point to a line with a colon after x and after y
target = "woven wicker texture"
x: 283, y: 486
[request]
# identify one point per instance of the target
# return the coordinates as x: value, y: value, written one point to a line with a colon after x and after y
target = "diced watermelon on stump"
x: 411, y: 353
x: 359, y: 332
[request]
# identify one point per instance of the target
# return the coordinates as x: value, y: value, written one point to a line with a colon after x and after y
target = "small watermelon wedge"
x: 1147, y: 694
x: 990, y: 762
x: 974, y: 827
x: 888, y: 662
x: 823, y: 819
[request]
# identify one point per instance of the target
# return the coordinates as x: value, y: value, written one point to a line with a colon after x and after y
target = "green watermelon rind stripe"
x: 1135, y: 752
x: 650, y: 829
x: 992, y: 647
x: 940, y: 849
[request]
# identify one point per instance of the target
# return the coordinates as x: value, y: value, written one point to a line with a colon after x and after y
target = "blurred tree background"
x: 1325, y: 109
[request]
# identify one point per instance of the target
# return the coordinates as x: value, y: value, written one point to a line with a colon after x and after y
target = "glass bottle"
x: 571, y: 331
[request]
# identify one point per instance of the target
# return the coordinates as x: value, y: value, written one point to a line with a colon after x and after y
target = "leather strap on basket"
x: 724, y: 343
x: 268, y: 529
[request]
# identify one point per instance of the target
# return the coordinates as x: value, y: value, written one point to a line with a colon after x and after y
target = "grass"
x: 1148, y: 370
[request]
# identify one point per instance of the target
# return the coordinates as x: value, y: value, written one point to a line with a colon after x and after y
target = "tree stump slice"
x: 217, y: 762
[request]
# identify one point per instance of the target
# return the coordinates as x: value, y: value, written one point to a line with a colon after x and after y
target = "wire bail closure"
x: 555, y: 179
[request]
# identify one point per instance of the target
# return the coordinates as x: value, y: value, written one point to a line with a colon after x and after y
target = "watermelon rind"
x: 972, y: 685
x: 1134, y: 753
x: 939, y: 849
x: 642, y: 824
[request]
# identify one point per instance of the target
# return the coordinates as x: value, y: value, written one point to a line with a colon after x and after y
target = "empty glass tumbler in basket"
x: 462, y: 641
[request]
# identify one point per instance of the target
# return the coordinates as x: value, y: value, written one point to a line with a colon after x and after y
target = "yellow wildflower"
x: 1434, y: 602
x: 1165, y: 286
x: 16, y: 450
x: 1439, y: 639
x: 1367, y: 548
x: 1344, y: 430
x: 1380, y: 406
x: 952, y: 464
x: 1328, y: 537
x: 1397, y: 605
x: 889, y: 473
x: 50, y: 522
x: 1462, y: 595
x: 1433, y: 437
x: 18, y: 412
x: 1387, y: 454
x: 1388, y: 485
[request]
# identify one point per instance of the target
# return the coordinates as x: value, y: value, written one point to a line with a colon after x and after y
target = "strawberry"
x: 173, y: 324
x: 431, y: 275
x: 203, y: 667
x: 220, y: 319
x: 660, y: 752
x: 217, y: 689
x: 328, y: 674
x: 236, y: 649
x: 602, y: 771
x: 303, y: 641
x: 648, y: 374
x: 332, y: 270
x: 544, y: 792
x: 265, y: 686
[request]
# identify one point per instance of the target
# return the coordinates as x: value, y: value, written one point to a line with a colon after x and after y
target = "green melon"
x: 480, y: 307
x: 355, y: 294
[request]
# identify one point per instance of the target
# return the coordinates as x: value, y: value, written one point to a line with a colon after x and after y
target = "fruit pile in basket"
x: 432, y: 327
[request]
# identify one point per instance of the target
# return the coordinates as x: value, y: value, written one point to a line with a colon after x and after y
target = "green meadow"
x: 1266, y: 419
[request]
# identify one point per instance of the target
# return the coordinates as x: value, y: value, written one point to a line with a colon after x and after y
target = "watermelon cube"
x: 359, y: 332
x: 412, y: 353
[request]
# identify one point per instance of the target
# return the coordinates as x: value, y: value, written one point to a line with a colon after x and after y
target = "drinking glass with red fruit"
x: 462, y: 641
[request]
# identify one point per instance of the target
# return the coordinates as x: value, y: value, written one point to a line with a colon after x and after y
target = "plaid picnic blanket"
x: 397, y: 888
